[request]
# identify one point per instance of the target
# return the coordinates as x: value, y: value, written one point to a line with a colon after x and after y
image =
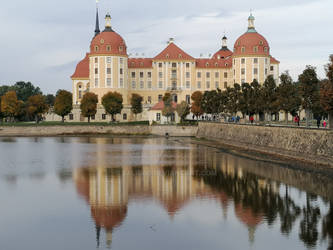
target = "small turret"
x: 251, y: 27
x: 108, y: 22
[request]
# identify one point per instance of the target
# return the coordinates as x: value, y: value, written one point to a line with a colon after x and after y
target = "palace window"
x: 188, y: 84
x: 266, y: 49
x: 160, y: 84
x: 96, y: 59
x: 103, y: 116
x: 265, y: 71
x: 217, y: 75
x: 96, y: 71
x: 160, y: 65
x: 80, y: 94
x: 174, y: 73
x: 188, y: 99
x: 96, y: 48
x: 255, y: 71
x: 71, y: 117
x: 225, y: 85
x: 188, y: 74
x: 141, y: 74
x: 174, y: 65
x: 207, y: 75
x: 158, y: 117
x: 108, y: 59
x: 108, y: 48
x: 217, y: 85
x: 199, y: 85
x: 96, y: 82
x: 243, y: 50
x: 121, y: 48
x: 199, y: 74
x: 187, y: 65
x: 243, y: 61
x: 133, y: 74
x: 255, y: 49
x: 133, y: 84
x: 108, y: 71
x: 255, y: 60
x: 121, y: 82
x: 141, y: 84
x: 160, y: 74
x: 121, y: 71
x: 125, y: 117
x: 261, y: 42
x: 121, y: 60
x: 108, y: 82
x: 272, y: 68
x: 225, y: 75
x: 208, y: 85
x: 149, y: 84
x: 243, y: 71
x: 149, y: 74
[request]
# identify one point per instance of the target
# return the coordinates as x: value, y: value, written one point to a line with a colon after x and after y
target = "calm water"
x: 148, y: 193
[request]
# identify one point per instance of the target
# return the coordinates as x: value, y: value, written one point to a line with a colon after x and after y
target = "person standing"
x: 318, y: 121
x: 324, y: 123
x: 297, y: 120
x: 251, y: 119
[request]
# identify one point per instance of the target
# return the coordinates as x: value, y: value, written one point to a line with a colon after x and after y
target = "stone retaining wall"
x: 311, y: 145
x: 178, y: 131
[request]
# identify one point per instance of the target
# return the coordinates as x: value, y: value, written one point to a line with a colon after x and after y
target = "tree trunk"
x: 286, y: 117
x: 307, y: 116
x: 36, y: 118
x: 63, y: 119
x: 89, y: 119
x: 330, y: 120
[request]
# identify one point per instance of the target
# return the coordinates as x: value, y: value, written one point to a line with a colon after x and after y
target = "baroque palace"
x: 107, y: 67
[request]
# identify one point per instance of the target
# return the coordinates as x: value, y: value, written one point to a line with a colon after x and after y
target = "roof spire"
x: 224, y: 42
x: 251, y: 27
x: 97, y: 31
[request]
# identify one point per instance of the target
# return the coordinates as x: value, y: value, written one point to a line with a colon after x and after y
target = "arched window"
x: 108, y: 48
x: 96, y: 48
x: 243, y: 49
x: 121, y: 48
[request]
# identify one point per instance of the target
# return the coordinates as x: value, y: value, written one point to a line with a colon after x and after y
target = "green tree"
x: 211, y: 102
x: 112, y: 103
x: 36, y: 106
x: 233, y: 96
x: 196, y: 109
x: 1, y: 114
x: 50, y: 99
x: 309, y: 89
x: 288, y: 99
x: 26, y: 89
x: 136, y: 104
x: 256, y: 100
x: 168, y: 110
x: 9, y: 105
x: 183, y: 110
x: 88, y: 105
x: 269, y: 96
x: 326, y: 92
x: 63, y: 103
x: 244, y: 99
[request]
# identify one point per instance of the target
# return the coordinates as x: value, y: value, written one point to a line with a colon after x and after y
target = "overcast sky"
x: 42, y: 41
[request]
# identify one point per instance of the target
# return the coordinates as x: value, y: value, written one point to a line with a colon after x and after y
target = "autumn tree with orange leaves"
x: 196, y: 104
x: 36, y: 107
x: 10, y: 105
x: 63, y: 103
x: 89, y: 105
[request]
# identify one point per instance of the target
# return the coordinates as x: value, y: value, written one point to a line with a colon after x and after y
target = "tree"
x: 288, y: 99
x: 9, y: 105
x: 26, y: 89
x: 309, y: 87
x: 168, y: 110
x: 326, y: 92
x: 233, y: 96
x: 89, y: 105
x: 1, y: 114
x: 269, y: 96
x: 63, y: 103
x: 256, y: 101
x: 244, y: 99
x: 112, y: 103
x: 50, y: 99
x: 183, y: 110
x: 36, y: 106
x: 196, y: 104
x: 210, y: 102
x: 136, y: 103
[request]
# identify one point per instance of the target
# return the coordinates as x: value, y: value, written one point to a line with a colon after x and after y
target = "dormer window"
x: 108, y: 48
x: 216, y: 64
x: 179, y: 56
x: 167, y: 56
x: 238, y: 43
x: 243, y: 50
x: 261, y: 42
x: 218, y: 57
x: 265, y: 49
x: 121, y: 48
x: 96, y: 48
x: 255, y: 49
x: 207, y: 64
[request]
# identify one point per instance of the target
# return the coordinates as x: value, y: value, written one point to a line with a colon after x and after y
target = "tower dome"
x: 108, y: 41
x: 251, y: 42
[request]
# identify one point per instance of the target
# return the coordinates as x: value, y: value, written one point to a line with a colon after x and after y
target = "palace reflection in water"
x: 122, y: 171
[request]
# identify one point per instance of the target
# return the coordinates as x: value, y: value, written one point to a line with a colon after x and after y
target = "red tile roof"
x: 140, y: 63
x: 249, y: 41
x: 214, y: 63
x: 222, y: 53
x: 173, y: 52
x: 82, y: 69
x: 274, y: 61
x: 108, y: 42
x: 160, y: 106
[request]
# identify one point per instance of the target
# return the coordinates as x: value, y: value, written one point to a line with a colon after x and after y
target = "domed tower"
x: 108, y: 62
x: 251, y: 57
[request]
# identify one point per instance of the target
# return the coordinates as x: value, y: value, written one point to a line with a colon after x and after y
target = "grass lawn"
x: 33, y: 124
